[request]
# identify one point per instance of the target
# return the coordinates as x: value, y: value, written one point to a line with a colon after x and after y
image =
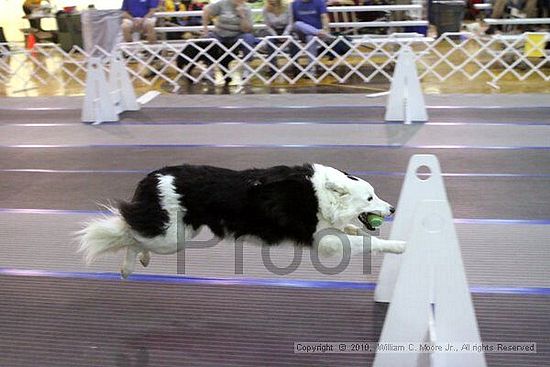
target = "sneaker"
x: 245, y: 73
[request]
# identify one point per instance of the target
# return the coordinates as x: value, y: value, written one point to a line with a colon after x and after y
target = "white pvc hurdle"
x: 427, y: 287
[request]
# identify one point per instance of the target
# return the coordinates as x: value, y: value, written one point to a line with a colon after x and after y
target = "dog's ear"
x: 337, y: 189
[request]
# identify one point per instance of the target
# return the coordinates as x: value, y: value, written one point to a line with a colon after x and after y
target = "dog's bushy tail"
x: 108, y: 234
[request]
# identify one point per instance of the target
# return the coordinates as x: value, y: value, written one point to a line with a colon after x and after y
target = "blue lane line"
x: 198, y: 123
x: 502, y: 175
x: 295, y: 107
x: 173, y: 146
x: 500, y: 221
x: 53, y: 211
x: 292, y: 283
x: 33, y: 170
x: 320, y: 146
x: 245, y: 107
x: 104, y: 212
x: 355, y: 173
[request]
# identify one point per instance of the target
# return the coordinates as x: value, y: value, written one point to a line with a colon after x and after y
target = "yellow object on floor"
x: 534, y: 44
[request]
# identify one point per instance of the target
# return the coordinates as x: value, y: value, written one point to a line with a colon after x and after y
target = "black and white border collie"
x: 269, y: 205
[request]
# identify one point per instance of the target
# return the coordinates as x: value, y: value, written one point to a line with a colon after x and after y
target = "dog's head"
x: 344, y: 198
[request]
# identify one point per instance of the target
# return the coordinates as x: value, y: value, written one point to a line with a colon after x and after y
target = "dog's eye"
x: 369, y: 199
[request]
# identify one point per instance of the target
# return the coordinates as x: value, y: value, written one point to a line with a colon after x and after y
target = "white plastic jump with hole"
x: 427, y: 287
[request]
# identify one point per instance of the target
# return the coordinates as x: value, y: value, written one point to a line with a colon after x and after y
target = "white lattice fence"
x: 285, y: 59
x: 495, y: 58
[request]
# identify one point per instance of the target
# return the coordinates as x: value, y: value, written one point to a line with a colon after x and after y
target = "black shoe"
x: 292, y: 71
x: 490, y: 30
x: 271, y: 72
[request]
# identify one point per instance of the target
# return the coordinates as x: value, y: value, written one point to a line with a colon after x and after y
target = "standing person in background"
x: 28, y: 7
x: 137, y: 16
x: 277, y: 19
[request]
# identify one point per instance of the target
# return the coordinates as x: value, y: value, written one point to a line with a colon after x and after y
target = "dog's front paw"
x: 125, y: 273
x: 394, y: 246
x: 390, y: 246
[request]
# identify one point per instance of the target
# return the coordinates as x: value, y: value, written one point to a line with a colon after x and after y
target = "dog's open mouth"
x: 363, y: 218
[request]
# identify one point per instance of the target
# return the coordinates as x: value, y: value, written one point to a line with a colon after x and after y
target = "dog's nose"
x: 392, y: 209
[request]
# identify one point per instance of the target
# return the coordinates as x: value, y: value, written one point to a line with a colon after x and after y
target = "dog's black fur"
x: 273, y: 204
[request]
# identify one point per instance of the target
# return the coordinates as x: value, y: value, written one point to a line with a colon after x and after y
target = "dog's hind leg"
x: 145, y: 258
x: 129, y: 263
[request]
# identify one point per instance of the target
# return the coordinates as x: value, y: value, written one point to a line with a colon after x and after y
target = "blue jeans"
x: 306, y: 33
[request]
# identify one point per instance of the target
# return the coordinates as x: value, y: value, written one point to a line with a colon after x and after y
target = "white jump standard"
x: 103, y: 101
x: 427, y: 287
x: 406, y: 101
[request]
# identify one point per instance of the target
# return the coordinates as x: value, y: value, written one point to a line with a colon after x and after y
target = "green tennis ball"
x: 375, y: 220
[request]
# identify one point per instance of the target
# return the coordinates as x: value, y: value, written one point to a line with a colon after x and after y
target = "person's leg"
x: 250, y: 40
x: 312, y: 48
x: 226, y: 42
x: 272, y: 46
x: 530, y: 9
x: 306, y: 32
x: 220, y: 51
x: 305, y: 29
x: 127, y: 29
x: 545, y: 10
x: 498, y: 8
x: 149, y: 29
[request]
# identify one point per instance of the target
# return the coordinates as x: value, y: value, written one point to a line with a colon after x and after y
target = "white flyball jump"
x: 427, y: 287
x: 104, y: 101
x: 405, y: 101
